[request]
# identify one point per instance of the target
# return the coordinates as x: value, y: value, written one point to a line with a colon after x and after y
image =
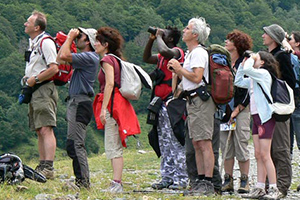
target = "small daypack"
x: 132, y: 79
x: 65, y: 70
x: 11, y: 169
x: 221, y: 75
x: 283, y: 99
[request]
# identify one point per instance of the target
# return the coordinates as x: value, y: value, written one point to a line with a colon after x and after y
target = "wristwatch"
x: 36, y: 79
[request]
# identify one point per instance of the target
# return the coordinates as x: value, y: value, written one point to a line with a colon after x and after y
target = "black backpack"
x: 13, y: 171
x: 283, y: 99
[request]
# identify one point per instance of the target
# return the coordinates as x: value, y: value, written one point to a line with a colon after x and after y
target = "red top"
x: 163, y: 90
x: 113, y: 62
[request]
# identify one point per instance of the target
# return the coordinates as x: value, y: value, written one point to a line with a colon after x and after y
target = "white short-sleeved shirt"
x: 198, y: 57
x: 37, y: 64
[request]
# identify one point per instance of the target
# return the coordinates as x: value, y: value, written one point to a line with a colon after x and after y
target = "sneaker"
x: 48, y: 172
x: 178, y: 186
x: 244, y: 184
x: 162, y: 184
x: 228, y: 184
x: 204, y: 187
x: 273, y: 194
x: 255, y: 193
x: 115, y: 187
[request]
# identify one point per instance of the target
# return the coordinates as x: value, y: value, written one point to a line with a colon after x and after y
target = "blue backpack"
x: 296, y: 68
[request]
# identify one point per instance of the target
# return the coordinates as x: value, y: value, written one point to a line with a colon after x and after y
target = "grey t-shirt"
x: 85, y: 67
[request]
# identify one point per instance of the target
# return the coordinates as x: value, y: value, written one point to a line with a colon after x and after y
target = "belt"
x: 90, y: 94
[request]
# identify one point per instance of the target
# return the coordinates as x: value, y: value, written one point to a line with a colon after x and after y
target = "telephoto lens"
x: 152, y: 30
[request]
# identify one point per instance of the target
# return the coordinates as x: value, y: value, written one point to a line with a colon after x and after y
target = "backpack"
x: 11, y: 169
x: 283, y: 99
x: 64, y: 74
x: 132, y: 79
x: 296, y: 68
x: 221, y: 75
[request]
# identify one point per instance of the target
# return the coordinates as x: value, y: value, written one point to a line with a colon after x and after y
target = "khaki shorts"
x: 201, y: 118
x: 238, y: 143
x: 112, y: 140
x: 43, y: 107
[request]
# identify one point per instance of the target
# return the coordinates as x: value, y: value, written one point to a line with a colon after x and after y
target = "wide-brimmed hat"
x: 276, y: 32
x: 91, y: 33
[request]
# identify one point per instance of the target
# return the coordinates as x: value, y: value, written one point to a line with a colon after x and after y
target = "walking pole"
x: 226, y: 148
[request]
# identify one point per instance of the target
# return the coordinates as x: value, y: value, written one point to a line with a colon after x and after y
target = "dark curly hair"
x: 270, y: 63
x: 241, y: 41
x: 175, y: 34
x: 113, y: 38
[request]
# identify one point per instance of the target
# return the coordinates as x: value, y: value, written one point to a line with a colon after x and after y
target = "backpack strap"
x: 40, y: 48
x: 115, y: 85
x: 267, y: 97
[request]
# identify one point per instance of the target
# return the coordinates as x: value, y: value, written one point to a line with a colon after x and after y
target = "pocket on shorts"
x: 245, y: 131
x: 84, y: 112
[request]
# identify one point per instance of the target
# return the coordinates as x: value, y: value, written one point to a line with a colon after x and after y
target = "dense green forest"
x: 131, y: 18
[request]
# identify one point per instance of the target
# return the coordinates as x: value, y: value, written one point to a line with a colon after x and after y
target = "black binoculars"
x: 247, y: 53
x: 152, y: 30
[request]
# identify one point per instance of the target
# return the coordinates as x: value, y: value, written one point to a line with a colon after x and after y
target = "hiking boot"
x: 115, y: 187
x: 178, y: 186
x: 244, y: 184
x: 82, y: 183
x: 228, y: 184
x: 256, y: 193
x: 39, y: 168
x: 204, y: 187
x: 162, y: 184
x: 273, y: 194
x: 193, y: 183
x: 69, y: 185
x: 48, y: 172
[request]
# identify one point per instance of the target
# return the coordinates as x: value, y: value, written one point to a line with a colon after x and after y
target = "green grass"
x: 140, y: 171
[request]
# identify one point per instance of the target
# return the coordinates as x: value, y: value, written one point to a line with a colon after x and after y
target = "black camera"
x: 247, y: 53
x: 27, y: 56
x: 152, y: 30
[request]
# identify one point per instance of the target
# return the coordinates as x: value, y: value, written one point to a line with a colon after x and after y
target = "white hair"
x: 201, y: 28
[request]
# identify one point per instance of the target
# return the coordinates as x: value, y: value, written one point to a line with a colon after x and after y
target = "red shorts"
x: 264, y: 131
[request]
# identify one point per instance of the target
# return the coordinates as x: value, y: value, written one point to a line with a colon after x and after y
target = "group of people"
x: 192, y: 163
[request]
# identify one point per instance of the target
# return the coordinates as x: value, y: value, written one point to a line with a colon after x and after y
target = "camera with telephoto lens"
x: 247, y: 53
x: 152, y: 30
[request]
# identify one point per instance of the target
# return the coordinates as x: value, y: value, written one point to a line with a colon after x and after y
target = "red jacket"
x: 123, y: 113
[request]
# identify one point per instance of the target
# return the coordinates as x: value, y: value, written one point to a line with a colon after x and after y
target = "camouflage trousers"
x: 172, y: 164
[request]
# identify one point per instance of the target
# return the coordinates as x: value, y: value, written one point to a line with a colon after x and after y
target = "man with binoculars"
x: 173, y: 167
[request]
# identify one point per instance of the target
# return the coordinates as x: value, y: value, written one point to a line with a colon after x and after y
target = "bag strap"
x: 267, y: 97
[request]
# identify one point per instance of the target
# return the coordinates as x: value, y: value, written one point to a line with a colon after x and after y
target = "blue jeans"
x: 295, y: 128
